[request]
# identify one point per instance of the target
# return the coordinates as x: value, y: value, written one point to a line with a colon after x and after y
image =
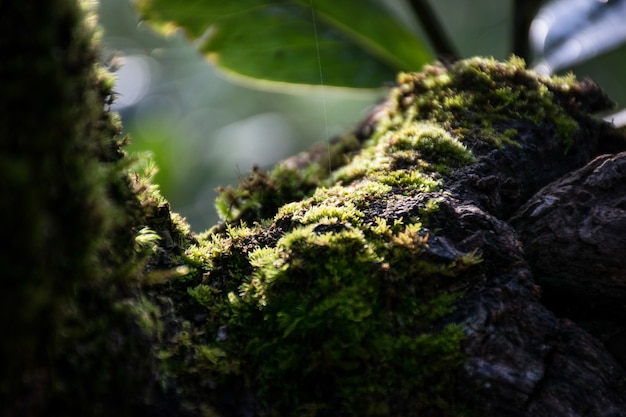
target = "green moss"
x: 339, y: 336
x: 261, y: 194
x: 482, y: 96
x: 431, y: 119
x: 322, y: 315
x: 410, y: 157
x: 42, y: 266
x: 320, y: 297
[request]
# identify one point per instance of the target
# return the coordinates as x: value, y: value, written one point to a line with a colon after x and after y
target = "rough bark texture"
x: 574, y: 235
x: 523, y: 360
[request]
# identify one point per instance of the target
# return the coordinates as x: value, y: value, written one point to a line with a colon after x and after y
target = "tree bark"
x: 528, y: 349
x: 574, y: 235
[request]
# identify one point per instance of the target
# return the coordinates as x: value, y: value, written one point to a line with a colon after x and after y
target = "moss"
x: 475, y: 104
x: 331, y: 337
x: 38, y: 171
x: 260, y: 194
x: 483, y: 97
x: 319, y: 296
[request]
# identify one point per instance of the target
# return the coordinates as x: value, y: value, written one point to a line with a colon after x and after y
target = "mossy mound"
x: 336, y: 303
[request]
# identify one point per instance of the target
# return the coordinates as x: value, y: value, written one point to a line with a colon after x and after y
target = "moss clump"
x: 334, y: 318
x: 260, y: 194
x: 412, y: 156
x: 482, y: 101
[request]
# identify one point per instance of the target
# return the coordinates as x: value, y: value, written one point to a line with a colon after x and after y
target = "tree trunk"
x: 71, y: 341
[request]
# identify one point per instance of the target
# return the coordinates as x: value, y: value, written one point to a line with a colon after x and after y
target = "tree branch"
x: 523, y: 13
x: 434, y: 30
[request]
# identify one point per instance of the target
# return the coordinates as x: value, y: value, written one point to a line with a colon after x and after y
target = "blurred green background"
x: 204, y: 131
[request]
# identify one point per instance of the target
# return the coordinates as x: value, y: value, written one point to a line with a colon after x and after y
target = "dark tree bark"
x: 574, y: 235
x: 554, y: 269
x: 523, y: 359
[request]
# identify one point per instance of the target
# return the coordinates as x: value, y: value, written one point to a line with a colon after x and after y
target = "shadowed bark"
x: 574, y: 235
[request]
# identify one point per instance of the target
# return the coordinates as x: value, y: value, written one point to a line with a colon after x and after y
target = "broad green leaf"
x: 358, y: 44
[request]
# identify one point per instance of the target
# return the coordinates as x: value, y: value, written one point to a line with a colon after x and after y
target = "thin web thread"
x: 319, y: 63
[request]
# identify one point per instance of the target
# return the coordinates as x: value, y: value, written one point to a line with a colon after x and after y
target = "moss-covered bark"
x: 391, y: 285
x: 366, y: 298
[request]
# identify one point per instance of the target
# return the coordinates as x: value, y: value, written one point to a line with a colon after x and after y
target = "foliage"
x: 359, y: 46
x: 287, y: 41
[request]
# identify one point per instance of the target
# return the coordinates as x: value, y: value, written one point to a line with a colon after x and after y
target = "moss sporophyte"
x: 321, y: 294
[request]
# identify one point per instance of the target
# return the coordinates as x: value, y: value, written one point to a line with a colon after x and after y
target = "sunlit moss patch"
x: 318, y: 294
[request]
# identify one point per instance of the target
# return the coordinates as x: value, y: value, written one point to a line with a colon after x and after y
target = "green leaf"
x: 356, y: 44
